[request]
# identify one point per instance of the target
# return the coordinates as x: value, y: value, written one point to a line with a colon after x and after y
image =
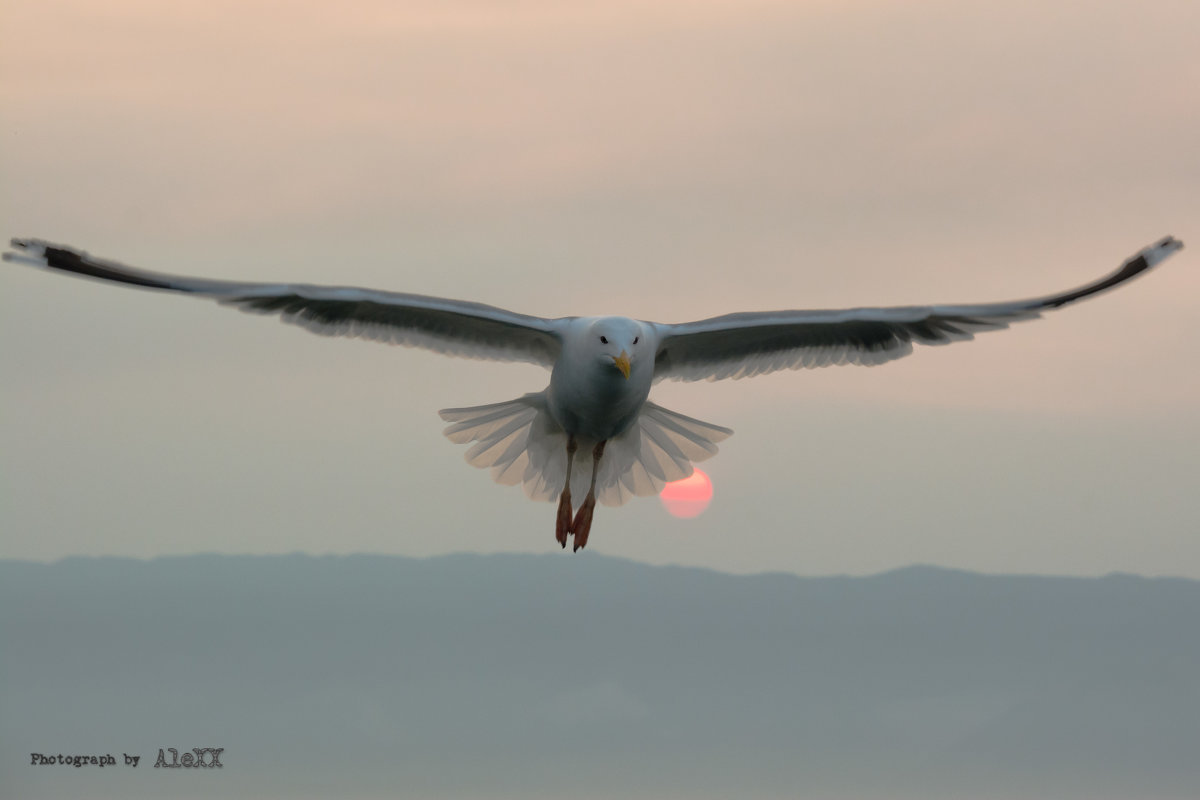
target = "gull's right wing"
x: 452, y: 327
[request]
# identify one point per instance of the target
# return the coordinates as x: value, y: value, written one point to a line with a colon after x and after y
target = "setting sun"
x: 689, y: 497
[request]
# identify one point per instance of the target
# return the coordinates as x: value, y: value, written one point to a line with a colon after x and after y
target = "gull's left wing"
x: 453, y: 327
x: 741, y: 345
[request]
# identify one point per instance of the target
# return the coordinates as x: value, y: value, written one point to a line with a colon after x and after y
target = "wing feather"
x: 452, y: 327
x: 742, y: 345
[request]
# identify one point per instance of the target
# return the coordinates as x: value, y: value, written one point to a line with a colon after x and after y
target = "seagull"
x: 601, y: 368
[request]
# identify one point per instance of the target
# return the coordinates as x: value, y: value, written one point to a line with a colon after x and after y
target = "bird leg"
x: 583, y: 520
x: 562, y: 525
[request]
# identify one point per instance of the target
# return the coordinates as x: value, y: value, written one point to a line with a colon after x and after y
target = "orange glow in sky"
x: 689, y: 497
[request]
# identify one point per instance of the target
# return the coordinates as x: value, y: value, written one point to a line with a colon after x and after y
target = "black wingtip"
x: 1145, y: 259
x: 39, y: 253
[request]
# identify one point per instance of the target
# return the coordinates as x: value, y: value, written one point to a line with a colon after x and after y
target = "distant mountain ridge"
x: 535, y: 675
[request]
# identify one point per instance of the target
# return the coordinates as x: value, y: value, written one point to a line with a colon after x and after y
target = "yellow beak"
x: 622, y: 362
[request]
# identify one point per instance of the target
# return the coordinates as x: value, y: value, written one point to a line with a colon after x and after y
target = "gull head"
x: 617, y: 342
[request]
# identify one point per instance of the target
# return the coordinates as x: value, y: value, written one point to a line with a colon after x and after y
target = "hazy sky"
x: 663, y: 160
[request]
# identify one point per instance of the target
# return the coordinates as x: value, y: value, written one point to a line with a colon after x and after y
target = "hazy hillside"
x: 521, y: 676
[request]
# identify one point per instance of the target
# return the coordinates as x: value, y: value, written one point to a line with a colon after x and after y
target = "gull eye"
x: 635, y: 339
x: 603, y: 340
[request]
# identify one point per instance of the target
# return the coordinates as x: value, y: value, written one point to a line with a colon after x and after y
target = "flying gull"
x: 601, y: 368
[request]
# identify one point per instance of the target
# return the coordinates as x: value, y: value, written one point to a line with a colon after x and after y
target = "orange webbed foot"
x: 562, y: 524
x: 583, y: 522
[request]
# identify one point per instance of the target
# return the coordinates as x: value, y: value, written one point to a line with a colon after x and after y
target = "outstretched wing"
x: 741, y: 345
x: 453, y: 327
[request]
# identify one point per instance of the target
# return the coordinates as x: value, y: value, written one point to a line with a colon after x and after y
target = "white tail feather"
x: 521, y: 443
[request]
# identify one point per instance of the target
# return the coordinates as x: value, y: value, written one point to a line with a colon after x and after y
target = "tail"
x: 521, y: 443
